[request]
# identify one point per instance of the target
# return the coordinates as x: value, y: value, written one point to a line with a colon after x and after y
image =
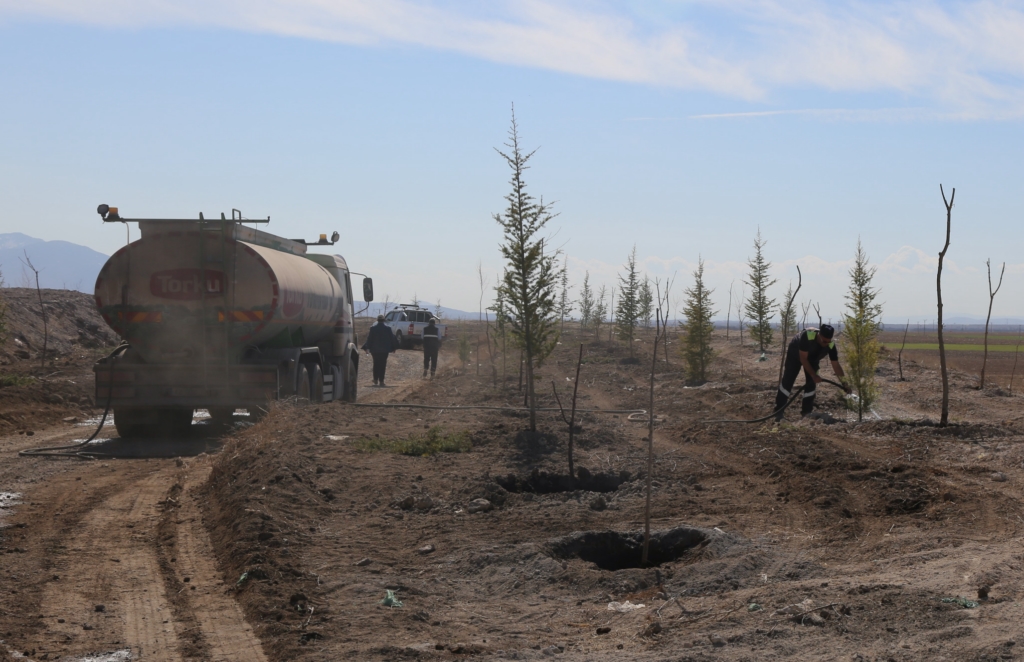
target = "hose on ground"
x: 781, y: 409
x: 393, y: 405
x: 73, y: 450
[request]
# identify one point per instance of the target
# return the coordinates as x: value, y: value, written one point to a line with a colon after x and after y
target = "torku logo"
x: 185, y: 284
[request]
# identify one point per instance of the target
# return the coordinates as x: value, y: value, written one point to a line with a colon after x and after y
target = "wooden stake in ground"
x: 650, y: 451
x: 786, y: 313
x: 899, y: 357
x: 944, y: 418
x: 1015, y: 353
x: 991, y: 298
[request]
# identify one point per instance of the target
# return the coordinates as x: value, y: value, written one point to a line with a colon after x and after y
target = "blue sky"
x: 680, y: 127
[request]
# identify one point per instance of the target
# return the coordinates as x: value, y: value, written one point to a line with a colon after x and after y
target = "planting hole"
x: 542, y: 482
x: 615, y: 550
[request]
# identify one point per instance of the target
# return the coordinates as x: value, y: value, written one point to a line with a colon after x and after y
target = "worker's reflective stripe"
x: 784, y: 392
x: 832, y: 345
x: 811, y: 335
x: 809, y: 394
x: 428, y: 336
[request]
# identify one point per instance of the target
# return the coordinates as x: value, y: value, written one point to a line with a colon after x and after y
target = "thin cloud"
x: 963, y: 60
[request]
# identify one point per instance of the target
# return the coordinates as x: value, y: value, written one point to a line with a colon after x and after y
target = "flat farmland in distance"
x: 964, y: 352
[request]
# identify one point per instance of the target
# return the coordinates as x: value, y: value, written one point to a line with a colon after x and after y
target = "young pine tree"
x: 531, y: 273
x: 861, y: 324
x: 645, y: 303
x: 586, y: 302
x: 627, y: 313
x: 564, y: 302
x: 696, y: 349
x: 759, y: 307
x: 600, y: 311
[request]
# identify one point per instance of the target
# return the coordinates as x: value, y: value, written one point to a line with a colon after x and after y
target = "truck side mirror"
x: 367, y: 290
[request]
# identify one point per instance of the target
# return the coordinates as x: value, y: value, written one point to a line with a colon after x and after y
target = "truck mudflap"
x: 145, y: 385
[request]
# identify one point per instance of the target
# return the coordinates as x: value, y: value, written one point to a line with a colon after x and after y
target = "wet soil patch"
x: 543, y: 482
x: 617, y: 550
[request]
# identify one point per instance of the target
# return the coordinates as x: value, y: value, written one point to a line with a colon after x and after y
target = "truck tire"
x: 351, y: 375
x: 316, y: 383
x: 302, y: 383
x: 398, y: 338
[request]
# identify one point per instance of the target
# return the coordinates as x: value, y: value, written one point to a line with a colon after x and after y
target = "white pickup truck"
x: 407, y: 322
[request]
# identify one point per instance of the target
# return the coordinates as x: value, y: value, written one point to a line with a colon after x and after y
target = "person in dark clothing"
x: 379, y: 343
x: 431, y: 343
x: 805, y: 353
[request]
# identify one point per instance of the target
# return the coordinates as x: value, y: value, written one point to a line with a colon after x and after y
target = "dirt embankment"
x: 37, y: 391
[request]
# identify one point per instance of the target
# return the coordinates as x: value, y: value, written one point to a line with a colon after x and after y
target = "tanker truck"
x: 218, y: 315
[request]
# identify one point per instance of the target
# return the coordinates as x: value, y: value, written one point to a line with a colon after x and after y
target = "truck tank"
x: 186, y: 292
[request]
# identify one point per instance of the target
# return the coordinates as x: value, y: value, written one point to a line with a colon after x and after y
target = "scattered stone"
x: 598, y: 504
x: 100, y: 608
x: 999, y: 477
x: 70, y: 419
x: 603, y: 630
x: 426, y: 549
x: 363, y: 562
x: 479, y: 506
x: 86, y: 626
x: 983, y: 592
x: 652, y: 629
x: 423, y: 503
x: 717, y: 640
x: 60, y: 620
x: 406, y: 503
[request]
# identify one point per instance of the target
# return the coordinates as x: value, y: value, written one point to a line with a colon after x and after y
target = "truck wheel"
x: 401, y: 343
x: 302, y: 383
x: 316, y: 383
x: 351, y: 374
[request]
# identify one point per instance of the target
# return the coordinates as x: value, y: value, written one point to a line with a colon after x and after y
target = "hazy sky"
x: 680, y: 127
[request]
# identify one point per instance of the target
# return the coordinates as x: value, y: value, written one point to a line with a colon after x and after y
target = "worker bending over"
x: 805, y: 352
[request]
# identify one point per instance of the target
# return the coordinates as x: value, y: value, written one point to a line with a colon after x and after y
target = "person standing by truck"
x: 431, y: 343
x: 379, y: 343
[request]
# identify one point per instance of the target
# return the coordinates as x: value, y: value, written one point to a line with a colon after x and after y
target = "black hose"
x: 69, y: 451
x: 780, y: 409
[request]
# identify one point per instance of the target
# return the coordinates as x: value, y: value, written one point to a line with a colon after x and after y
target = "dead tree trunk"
x: 650, y: 454
x: 944, y: 418
x: 899, y: 357
x: 42, y: 309
x: 991, y: 298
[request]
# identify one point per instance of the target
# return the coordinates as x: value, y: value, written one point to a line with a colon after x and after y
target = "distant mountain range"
x: 62, y: 265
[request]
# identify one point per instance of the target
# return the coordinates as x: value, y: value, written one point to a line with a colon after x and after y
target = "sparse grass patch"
x: 436, y: 440
x: 15, y: 380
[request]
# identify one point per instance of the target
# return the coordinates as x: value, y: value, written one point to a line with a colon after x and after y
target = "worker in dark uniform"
x: 379, y: 343
x: 431, y: 343
x: 805, y: 353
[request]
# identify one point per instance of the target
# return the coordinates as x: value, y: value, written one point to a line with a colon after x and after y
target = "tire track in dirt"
x: 225, y: 631
x: 111, y: 562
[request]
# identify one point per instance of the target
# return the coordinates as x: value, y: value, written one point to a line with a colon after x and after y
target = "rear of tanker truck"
x: 220, y: 316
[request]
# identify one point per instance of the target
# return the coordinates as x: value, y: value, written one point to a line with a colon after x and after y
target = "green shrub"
x: 15, y: 380
x: 436, y: 440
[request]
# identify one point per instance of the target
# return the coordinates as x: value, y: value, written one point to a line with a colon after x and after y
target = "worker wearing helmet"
x: 431, y: 343
x: 805, y: 352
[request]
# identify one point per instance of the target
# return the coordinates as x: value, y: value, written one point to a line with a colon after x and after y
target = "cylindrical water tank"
x: 184, y: 296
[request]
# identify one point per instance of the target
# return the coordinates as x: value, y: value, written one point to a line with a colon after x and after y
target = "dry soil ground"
x: 800, y: 541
